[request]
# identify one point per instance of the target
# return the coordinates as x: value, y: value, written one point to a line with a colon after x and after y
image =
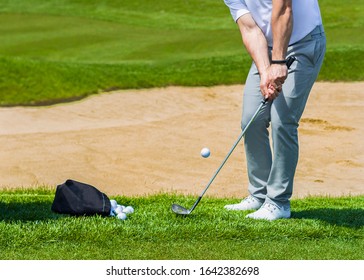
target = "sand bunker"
x: 138, y: 142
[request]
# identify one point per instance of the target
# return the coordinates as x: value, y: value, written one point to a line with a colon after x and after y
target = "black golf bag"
x: 76, y: 198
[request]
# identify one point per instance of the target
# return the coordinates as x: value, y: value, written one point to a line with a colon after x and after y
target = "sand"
x: 140, y: 142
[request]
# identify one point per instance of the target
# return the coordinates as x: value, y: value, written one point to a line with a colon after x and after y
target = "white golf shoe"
x: 271, y: 212
x: 249, y: 203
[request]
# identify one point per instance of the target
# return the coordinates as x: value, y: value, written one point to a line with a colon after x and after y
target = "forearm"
x: 257, y: 46
x: 282, y: 24
x: 254, y: 42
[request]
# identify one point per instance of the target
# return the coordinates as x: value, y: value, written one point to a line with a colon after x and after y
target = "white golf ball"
x: 119, y: 209
x: 121, y: 216
x: 128, y: 210
x: 205, y: 152
x: 113, y: 203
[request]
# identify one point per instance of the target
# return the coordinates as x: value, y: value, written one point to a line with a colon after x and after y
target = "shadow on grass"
x: 26, y: 211
x: 353, y: 218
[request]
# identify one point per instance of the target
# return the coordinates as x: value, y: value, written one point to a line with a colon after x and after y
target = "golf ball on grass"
x: 205, y: 152
x: 128, y: 210
x: 113, y: 203
x: 121, y: 216
x: 119, y: 209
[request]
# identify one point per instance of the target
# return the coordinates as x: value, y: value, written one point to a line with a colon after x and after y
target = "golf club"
x: 180, y: 210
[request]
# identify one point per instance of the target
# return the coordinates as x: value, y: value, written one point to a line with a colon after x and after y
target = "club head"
x: 178, y: 209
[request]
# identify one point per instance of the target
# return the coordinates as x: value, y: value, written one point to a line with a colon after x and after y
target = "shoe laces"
x: 270, y: 206
x: 250, y: 199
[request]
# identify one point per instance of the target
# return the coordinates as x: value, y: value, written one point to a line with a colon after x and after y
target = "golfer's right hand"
x: 269, y: 90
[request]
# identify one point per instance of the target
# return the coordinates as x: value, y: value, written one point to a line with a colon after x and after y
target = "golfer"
x: 272, y: 31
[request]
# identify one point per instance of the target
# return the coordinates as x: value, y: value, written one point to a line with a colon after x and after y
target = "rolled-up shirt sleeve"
x: 237, y: 8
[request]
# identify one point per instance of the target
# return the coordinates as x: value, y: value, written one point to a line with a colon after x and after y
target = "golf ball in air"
x: 205, y: 152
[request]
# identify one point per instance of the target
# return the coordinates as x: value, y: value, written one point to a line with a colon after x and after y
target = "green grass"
x: 320, y: 228
x: 60, y: 50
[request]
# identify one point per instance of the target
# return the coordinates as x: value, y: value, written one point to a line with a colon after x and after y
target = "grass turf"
x: 320, y: 228
x: 61, y: 50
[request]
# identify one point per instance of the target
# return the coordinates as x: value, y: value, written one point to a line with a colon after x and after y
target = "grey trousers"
x: 271, y: 168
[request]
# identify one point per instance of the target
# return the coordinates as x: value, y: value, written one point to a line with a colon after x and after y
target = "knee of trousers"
x: 259, y: 124
x: 256, y: 133
x: 286, y: 132
x: 286, y: 123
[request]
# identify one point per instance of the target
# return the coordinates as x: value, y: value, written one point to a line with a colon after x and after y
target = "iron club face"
x: 178, y: 209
